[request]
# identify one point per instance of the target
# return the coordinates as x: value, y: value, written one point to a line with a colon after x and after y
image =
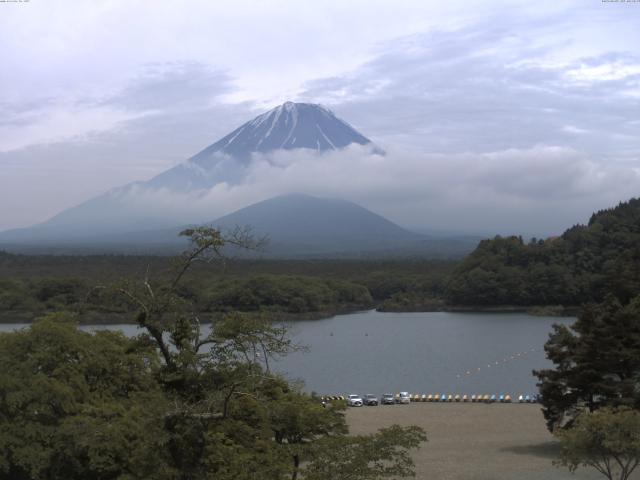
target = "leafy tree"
x: 76, y: 405
x: 230, y: 417
x: 369, y: 457
x: 607, y: 440
x: 597, y: 362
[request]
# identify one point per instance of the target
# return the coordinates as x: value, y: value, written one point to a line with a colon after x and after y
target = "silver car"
x: 403, y: 397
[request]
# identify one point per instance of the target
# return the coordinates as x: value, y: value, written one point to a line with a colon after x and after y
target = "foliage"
x: 76, y: 405
x: 607, y: 440
x: 287, y: 293
x: 172, y: 403
x: 583, y: 265
x: 34, y: 285
x: 597, y: 362
x: 382, y: 455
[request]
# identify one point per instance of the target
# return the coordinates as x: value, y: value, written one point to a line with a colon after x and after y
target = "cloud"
x: 539, y: 191
x: 518, y: 112
x: 487, y: 87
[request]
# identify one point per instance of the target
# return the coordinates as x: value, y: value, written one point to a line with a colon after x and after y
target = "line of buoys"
x: 490, y: 364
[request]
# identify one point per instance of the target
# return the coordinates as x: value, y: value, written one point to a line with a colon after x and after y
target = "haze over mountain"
x: 288, y: 127
x: 295, y: 225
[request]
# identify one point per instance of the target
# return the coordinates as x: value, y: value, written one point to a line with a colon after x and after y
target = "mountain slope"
x: 289, y: 127
x: 302, y: 224
x: 297, y: 226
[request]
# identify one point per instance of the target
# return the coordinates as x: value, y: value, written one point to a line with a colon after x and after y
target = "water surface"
x: 432, y: 352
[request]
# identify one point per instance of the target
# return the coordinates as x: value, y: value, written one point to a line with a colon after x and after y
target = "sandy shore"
x: 474, y: 441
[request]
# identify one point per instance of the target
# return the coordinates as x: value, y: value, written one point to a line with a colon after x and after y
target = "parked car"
x: 388, y: 399
x: 370, y: 399
x: 354, y: 400
x: 403, y: 397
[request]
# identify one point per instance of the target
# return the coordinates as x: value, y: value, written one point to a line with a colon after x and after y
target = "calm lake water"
x: 434, y: 352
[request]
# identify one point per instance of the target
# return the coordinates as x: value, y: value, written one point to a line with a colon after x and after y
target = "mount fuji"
x: 288, y: 127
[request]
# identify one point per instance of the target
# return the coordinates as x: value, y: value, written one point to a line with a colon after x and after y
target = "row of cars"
x: 354, y: 400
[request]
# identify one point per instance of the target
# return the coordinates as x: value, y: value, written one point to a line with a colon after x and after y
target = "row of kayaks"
x: 457, y: 398
x: 475, y: 398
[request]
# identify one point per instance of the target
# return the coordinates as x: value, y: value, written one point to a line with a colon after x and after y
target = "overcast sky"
x: 498, y: 116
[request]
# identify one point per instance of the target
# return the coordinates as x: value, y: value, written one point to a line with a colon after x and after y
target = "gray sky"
x: 498, y: 116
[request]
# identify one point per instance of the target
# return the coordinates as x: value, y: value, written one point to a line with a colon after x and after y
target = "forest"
x: 33, y: 285
x: 558, y: 274
x: 582, y: 265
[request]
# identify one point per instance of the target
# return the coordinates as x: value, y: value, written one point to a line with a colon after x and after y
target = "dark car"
x: 370, y: 399
x: 388, y: 399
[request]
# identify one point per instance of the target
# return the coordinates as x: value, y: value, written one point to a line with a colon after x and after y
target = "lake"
x: 431, y: 352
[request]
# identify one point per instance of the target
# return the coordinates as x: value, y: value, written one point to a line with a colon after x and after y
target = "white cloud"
x: 541, y: 190
x: 94, y: 98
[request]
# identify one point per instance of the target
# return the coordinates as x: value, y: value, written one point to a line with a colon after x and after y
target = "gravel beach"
x: 474, y: 441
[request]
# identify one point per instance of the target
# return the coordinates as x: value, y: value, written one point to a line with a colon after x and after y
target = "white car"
x: 354, y: 400
x: 403, y: 397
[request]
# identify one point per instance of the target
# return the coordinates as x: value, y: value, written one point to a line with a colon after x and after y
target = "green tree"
x: 607, y: 440
x: 231, y: 417
x: 384, y: 454
x: 76, y: 405
x: 597, y: 362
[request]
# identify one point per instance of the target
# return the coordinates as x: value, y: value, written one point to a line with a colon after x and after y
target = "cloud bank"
x: 537, y: 191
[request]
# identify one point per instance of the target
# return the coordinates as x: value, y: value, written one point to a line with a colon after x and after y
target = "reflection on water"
x: 434, y: 352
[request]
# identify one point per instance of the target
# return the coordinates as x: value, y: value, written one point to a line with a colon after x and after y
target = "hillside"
x: 297, y: 226
x: 288, y: 127
x: 582, y: 265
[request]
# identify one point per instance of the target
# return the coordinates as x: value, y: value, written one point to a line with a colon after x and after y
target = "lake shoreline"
x: 94, y: 318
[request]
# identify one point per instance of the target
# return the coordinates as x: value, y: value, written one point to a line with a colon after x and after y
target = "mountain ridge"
x: 289, y: 126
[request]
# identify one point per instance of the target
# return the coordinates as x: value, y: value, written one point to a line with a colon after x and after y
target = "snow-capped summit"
x: 286, y: 127
x: 289, y: 126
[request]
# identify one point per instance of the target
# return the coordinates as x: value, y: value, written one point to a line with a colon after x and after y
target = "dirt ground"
x: 474, y: 441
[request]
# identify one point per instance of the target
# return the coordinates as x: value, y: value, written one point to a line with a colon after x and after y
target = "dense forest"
x: 582, y: 265
x: 35, y: 285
